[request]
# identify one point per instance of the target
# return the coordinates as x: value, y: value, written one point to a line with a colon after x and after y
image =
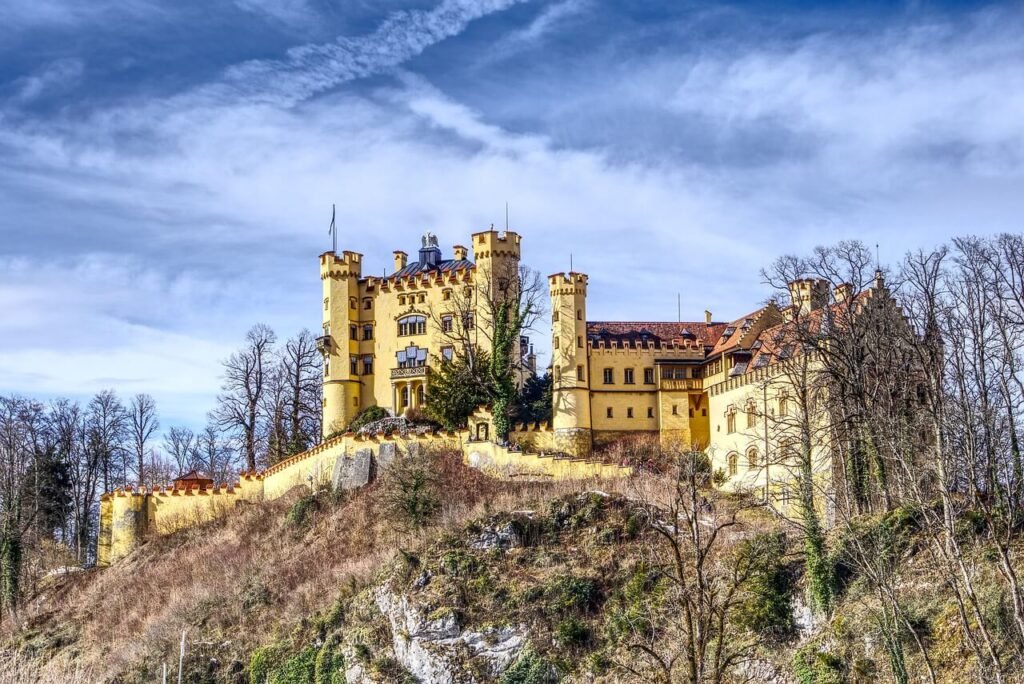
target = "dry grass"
x: 248, y: 579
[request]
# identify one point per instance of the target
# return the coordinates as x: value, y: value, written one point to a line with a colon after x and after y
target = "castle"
x: 723, y: 388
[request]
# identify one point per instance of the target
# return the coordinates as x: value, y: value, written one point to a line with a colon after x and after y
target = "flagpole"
x: 333, y: 231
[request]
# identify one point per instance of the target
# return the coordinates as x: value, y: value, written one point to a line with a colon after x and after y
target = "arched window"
x: 733, y: 462
x: 730, y: 420
x: 752, y: 457
x: 783, y: 405
x: 412, y: 325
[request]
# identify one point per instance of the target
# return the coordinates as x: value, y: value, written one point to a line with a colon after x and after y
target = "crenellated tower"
x: 339, y: 341
x: 570, y: 369
x: 496, y: 255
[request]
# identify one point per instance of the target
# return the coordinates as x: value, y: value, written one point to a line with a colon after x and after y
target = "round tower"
x: 340, y: 277
x: 570, y: 368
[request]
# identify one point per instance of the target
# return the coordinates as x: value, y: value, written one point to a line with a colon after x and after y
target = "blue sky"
x: 167, y: 169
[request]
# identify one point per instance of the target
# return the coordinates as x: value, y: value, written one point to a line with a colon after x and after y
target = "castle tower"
x: 496, y: 255
x: 338, y: 344
x: 569, y: 364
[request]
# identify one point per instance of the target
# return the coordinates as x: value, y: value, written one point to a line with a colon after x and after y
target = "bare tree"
x: 107, y: 431
x: 302, y: 371
x: 181, y: 445
x: 215, y: 455
x: 705, y: 581
x: 246, y: 375
x: 142, y: 424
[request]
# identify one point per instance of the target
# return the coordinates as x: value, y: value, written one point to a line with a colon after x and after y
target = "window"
x: 412, y: 325
x: 367, y: 365
x: 355, y: 401
x: 704, y: 413
x: 327, y: 303
x: 421, y: 396
x: 628, y: 376
x: 783, y: 405
x: 650, y: 412
x: 579, y: 314
x: 447, y: 353
x: 648, y: 376
x: 353, y: 365
x: 751, y: 415
x: 467, y: 321
x: 353, y: 332
x: 609, y: 376
x: 691, y: 412
x: 446, y: 295
x: 327, y: 367
x: 367, y: 303
x: 629, y: 412
x: 446, y: 323
x: 368, y: 331
x: 401, y: 300
x: 352, y: 303
x: 733, y: 462
x: 752, y: 457
x: 554, y: 316
x: 608, y: 411
x: 411, y: 357
x: 675, y: 410
x: 404, y: 396
x: 730, y: 423
x: 421, y: 298
x: 579, y: 342
x: 580, y: 374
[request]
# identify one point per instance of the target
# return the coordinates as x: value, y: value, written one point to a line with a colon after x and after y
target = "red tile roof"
x: 663, y: 333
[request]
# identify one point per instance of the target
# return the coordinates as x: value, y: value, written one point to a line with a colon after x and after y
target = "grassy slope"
x: 262, y: 581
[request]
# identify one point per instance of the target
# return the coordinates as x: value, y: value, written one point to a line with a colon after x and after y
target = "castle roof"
x: 706, y: 334
x: 418, y: 267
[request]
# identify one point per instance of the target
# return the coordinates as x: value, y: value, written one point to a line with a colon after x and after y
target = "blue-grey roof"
x: 416, y: 268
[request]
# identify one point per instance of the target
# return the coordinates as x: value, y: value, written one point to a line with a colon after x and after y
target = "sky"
x: 167, y: 169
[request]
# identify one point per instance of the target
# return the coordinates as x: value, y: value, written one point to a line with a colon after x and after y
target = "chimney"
x: 460, y: 252
x: 400, y: 259
x: 707, y: 316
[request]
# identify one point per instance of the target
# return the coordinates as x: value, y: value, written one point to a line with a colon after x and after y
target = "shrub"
x: 301, y: 511
x: 409, y: 492
x: 767, y: 607
x: 299, y: 669
x: 418, y: 416
x: 260, y: 663
x: 529, y: 669
x: 329, y: 667
x: 567, y: 595
x: 369, y: 414
x: 572, y: 632
x: 814, y: 666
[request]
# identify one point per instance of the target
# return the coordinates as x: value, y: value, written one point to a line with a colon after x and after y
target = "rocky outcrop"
x: 434, y: 648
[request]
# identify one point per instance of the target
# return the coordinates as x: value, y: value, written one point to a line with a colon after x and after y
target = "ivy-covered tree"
x: 483, y: 324
x: 457, y: 388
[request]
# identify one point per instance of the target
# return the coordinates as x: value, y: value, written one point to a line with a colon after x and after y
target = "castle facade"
x: 381, y: 334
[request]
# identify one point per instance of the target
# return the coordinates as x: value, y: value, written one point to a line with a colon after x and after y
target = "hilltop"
x: 451, y: 576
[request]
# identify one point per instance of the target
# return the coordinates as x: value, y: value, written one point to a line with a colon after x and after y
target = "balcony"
x: 408, y: 372
x: 682, y: 385
x: 323, y: 344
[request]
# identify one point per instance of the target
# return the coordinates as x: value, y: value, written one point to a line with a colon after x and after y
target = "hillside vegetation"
x: 436, y: 573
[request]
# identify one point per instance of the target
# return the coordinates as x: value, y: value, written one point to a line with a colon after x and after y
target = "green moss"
x: 767, y: 606
x: 572, y: 632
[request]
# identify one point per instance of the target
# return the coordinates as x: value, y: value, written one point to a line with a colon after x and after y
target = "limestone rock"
x: 353, y: 472
x: 434, y: 648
